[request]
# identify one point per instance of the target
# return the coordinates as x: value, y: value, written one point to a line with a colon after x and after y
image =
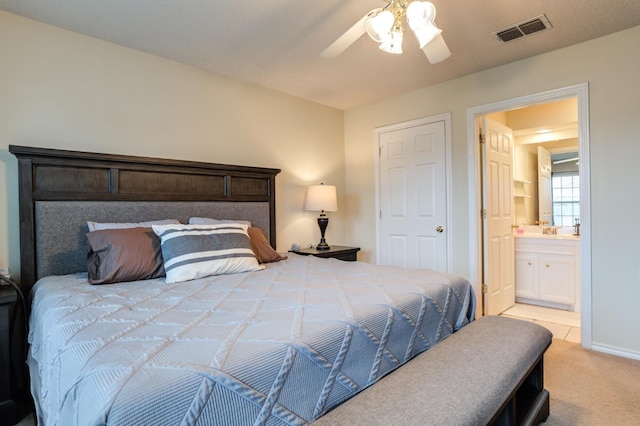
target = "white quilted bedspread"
x: 278, y: 346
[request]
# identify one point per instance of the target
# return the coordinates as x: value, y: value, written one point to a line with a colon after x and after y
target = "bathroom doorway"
x: 545, y: 149
x: 579, y: 95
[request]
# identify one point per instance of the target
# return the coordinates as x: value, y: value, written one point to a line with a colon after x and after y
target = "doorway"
x: 579, y: 92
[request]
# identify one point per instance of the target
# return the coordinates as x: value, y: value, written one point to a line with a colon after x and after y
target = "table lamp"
x: 322, y: 198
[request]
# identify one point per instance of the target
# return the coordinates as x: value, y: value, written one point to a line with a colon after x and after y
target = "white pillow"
x: 96, y: 226
x: 209, y: 221
x: 198, y: 251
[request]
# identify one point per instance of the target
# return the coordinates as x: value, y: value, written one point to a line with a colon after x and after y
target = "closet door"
x: 412, y: 221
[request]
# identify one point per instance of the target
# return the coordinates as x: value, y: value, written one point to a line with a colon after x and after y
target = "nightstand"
x: 349, y: 254
x: 8, y: 296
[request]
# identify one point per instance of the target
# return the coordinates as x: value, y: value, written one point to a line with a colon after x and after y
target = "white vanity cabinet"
x: 547, y: 272
x: 526, y: 275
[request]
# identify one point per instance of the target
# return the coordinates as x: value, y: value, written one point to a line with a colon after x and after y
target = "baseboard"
x: 608, y: 349
x: 546, y: 304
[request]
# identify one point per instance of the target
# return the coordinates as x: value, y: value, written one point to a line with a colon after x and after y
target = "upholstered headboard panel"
x: 61, y: 190
x: 61, y: 245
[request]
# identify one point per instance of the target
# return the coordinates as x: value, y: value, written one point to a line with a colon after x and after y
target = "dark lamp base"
x: 323, y: 221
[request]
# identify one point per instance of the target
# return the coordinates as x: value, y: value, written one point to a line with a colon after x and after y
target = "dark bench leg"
x: 529, y: 403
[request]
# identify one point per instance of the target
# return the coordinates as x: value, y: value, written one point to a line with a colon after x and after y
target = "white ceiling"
x: 277, y: 43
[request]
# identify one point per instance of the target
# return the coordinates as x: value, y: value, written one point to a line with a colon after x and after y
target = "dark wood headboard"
x: 49, y: 175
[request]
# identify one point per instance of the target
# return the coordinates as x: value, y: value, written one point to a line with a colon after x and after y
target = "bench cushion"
x: 463, y: 380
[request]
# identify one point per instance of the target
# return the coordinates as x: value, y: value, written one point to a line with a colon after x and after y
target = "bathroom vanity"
x: 547, y: 269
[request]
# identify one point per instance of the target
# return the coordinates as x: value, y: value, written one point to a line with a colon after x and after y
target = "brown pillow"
x: 117, y: 255
x: 261, y: 247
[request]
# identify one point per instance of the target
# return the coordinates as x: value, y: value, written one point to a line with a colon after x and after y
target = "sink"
x: 563, y: 233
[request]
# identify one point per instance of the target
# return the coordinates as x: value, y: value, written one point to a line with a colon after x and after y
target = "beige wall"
x: 615, y: 147
x: 59, y: 89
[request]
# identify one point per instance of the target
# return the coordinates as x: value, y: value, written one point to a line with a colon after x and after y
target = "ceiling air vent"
x: 525, y: 28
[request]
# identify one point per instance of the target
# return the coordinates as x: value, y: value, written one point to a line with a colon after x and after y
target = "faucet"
x: 576, y: 227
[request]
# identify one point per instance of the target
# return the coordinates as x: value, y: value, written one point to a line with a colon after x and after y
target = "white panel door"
x: 413, y: 204
x: 499, y: 250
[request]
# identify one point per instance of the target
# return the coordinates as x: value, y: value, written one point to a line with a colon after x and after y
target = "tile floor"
x: 564, y: 325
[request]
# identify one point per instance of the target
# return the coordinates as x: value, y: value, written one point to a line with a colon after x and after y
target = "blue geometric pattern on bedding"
x: 280, y: 346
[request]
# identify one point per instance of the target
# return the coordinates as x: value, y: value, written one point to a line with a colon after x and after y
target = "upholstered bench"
x: 490, y: 372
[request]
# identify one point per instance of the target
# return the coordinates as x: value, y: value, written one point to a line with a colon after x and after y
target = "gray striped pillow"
x: 197, y: 251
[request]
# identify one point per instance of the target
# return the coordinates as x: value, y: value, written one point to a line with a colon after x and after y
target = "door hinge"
x: 380, y: 213
x: 483, y: 213
x: 485, y: 289
x: 482, y: 138
x: 379, y: 151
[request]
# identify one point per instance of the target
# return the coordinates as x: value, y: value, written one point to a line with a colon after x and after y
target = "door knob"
x: 439, y: 229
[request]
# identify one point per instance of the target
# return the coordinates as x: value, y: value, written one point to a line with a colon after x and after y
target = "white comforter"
x: 278, y: 346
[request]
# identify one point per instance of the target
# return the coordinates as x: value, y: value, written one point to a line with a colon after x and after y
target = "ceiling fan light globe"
x: 420, y: 14
x: 393, y: 44
x: 379, y: 26
x: 426, y: 34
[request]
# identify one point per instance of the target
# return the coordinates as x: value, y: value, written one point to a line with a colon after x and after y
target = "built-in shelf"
x: 520, y: 188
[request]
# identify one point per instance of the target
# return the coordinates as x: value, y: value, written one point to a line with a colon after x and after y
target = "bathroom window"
x: 565, y: 193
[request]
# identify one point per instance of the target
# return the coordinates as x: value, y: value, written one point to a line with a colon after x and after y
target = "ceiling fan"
x: 384, y: 25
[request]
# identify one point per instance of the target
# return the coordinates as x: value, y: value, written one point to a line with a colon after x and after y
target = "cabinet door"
x: 526, y: 276
x: 557, y: 279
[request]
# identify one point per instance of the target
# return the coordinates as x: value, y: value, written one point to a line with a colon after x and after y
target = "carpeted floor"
x: 591, y: 388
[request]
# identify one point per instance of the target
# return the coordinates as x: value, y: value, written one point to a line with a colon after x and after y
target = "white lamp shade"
x: 321, y: 197
x: 420, y: 13
x: 379, y: 26
x: 420, y: 16
x: 393, y: 44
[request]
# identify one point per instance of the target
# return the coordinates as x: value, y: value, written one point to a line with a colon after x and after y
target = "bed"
x: 279, y: 345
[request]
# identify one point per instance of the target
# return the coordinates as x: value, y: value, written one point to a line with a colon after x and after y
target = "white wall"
x: 611, y: 66
x: 59, y: 89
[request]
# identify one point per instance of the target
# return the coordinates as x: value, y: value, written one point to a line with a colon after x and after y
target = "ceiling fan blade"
x: 349, y: 37
x: 437, y: 50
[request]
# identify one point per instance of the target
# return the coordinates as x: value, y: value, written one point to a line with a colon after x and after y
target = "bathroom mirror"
x: 533, y: 189
x: 565, y: 188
